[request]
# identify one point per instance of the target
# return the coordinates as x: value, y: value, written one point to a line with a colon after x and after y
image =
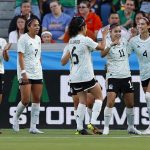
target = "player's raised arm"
x: 101, y: 44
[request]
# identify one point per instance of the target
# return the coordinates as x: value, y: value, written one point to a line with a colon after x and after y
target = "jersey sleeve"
x: 90, y: 43
x: 21, y: 45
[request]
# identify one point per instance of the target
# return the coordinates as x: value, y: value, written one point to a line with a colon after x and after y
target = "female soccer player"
x: 3, y: 55
x: 82, y: 78
x: 118, y: 77
x: 30, y: 76
x: 141, y: 46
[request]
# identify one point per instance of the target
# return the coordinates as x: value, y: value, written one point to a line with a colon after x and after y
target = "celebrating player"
x: 118, y: 77
x: 141, y: 46
x: 82, y: 78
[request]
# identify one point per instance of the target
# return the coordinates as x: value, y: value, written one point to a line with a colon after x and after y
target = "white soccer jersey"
x: 2, y: 45
x: 142, y: 49
x: 117, y: 60
x: 81, y: 69
x: 31, y: 48
x: 124, y: 33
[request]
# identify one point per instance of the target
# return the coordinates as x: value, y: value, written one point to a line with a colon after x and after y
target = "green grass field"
x: 66, y: 140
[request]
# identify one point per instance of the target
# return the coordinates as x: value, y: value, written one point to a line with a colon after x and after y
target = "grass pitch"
x: 67, y: 140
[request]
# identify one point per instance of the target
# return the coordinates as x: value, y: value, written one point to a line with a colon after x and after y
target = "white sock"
x: 35, y: 111
x: 96, y: 110
x: 130, y: 117
x: 89, y: 110
x: 147, y: 97
x: 75, y: 115
x: 19, y: 110
x: 107, y: 116
x: 80, y: 115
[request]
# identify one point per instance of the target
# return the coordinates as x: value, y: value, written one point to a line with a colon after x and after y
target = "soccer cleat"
x: 106, y: 131
x: 15, y: 125
x: 77, y: 132
x: 147, y: 131
x: 83, y: 132
x: 133, y: 130
x: 35, y: 131
x: 94, y: 129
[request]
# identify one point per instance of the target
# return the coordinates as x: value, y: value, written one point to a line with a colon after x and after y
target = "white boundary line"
x: 75, y: 137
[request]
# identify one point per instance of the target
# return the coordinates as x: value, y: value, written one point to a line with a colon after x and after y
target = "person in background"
x: 56, y: 22
x: 145, y: 7
x: 92, y: 20
x: 46, y: 37
x: 34, y: 7
x: 26, y: 12
x: 127, y: 15
x: 69, y: 7
x: 133, y: 31
x: 30, y: 76
x: 15, y: 35
x: 3, y: 55
x: 104, y: 10
x: 113, y: 18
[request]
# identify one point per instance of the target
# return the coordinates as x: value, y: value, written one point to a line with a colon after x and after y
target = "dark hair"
x: 112, y: 26
x: 113, y: 13
x: 20, y: 17
x: 76, y: 25
x: 139, y: 12
x: 87, y: 2
x: 25, y: 1
x: 130, y: 0
x: 28, y: 23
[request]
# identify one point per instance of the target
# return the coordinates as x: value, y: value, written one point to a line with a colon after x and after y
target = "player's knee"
x: 25, y: 103
x: 110, y: 104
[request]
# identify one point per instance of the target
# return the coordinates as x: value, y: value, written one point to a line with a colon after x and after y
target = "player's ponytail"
x: 76, y: 25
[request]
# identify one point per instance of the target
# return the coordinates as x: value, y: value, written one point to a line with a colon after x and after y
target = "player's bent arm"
x: 5, y: 51
x: 65, y: 58
x: 104, y: 52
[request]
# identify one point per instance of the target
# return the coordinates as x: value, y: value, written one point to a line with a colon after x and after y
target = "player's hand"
x: 24, y: 78
x: 105, y: 32
x: 116, y: 42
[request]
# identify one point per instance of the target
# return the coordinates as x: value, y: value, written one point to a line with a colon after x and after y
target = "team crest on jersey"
x: 110, y: 86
